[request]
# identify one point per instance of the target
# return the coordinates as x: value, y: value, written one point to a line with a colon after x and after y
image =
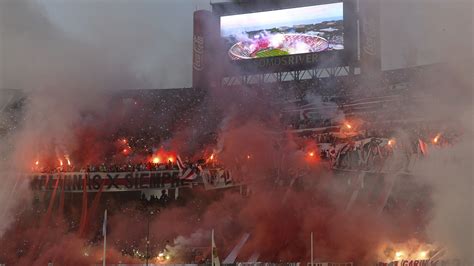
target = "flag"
x: 104, y: 226
x: 215, y: 257
x: 180, y: 163
x: 438, y: 255
x: 104, y: 233
x: 227, y: 177
x: 235, y: 251
x: 188, y: 175
x: 423, y: 147
x: 176, y: 193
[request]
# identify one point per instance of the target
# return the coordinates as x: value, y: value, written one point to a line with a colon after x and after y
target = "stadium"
x: 293, y: 146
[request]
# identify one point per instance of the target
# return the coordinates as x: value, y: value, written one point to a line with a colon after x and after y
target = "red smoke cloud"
x: 283, y: 208
x: 289, y: 198
x: 278, y: 219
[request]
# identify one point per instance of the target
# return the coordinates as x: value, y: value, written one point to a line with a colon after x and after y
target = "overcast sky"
x: 278, y: 18
x: 152, y: 39
x: 156, y: 33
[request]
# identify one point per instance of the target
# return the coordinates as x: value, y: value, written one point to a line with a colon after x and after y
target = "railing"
x: 110, y: 182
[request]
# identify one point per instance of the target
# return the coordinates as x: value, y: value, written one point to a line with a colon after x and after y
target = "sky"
x: 157, y: 34
x: 151, y: 40
x: 278, y: 18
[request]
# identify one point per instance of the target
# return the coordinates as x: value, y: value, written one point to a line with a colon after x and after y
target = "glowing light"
x: 311, y: 154
x: 413, y: 249
x: 170, y: 159
x: 60, y: 162
x: 124, y: 141
x: 161, y: 254
x: 248, y: 156
x: 37, y: 163
x: 212, y: 157
x: 68, y: 162
x: 348, y: 126
x: 398, y: 254
x: 125, y: 150
x: 156, y: 160
x: 168, y: 257
x: 423, y: 254
x: 436, y: 139
x: 391, y: 142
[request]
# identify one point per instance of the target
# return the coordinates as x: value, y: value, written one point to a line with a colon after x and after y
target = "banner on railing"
x: 452, y: 262
x: 120, y: 181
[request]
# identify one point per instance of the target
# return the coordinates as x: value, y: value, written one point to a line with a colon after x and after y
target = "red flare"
x: 156, y: 160
x: 391, y: 142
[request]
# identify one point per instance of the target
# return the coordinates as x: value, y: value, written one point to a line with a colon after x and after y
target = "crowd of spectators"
x: 374, y: 109
x: 154, y: 116
x: 377, y: 117
x: 110, y: 168
x: 158, y: 114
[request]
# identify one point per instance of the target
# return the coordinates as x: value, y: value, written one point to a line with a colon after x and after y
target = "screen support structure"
x: 314, y: 74
x: 370, y: 50
x: 362, y: 18
x: 206, y: 70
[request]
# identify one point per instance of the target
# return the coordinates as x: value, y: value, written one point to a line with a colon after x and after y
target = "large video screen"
x: 309, y: 29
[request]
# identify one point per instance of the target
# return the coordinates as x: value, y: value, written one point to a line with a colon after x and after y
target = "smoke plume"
x: 68, y: 110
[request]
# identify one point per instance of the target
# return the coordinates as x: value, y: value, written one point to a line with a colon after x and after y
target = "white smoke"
x: 325, y: 109
x: 66, y: 65
x: 450, y: 171
x: 182, y: 244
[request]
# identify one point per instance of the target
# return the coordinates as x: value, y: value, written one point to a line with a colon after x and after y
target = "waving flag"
x: 189, y: 174
x: 227, y: 177
x: 180, y: 163
x: 423, y: 147
x: 215, y: 257
x: 104, y: 233
x: 104, y: 225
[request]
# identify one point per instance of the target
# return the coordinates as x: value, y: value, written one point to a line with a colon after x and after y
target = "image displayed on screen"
x: 284, y: 32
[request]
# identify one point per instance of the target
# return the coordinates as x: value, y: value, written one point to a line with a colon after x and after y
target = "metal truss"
x: 283, y: 77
